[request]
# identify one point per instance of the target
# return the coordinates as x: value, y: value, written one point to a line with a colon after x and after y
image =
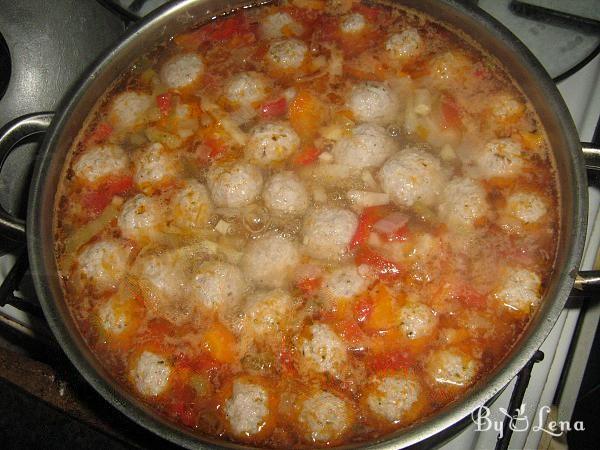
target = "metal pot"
x: 62, y: 128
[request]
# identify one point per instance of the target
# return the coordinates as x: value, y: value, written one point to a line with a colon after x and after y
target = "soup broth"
x: 307, y: 224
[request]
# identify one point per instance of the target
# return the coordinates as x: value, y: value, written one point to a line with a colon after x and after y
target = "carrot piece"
x: 384, y: 312
x: 220, y: 343
x: 307, y: 156
x: 306, y: 113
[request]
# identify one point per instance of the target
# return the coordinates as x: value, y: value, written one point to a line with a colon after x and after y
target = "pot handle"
x: 589, y: 280
x: 10, y: 135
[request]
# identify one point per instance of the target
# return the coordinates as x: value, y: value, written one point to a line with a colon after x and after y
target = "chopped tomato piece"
x: 363, y: 309
x: 307, y: 156
x: 470, y: 297
x: 387, y: 270
x: 369, y: 217
x: 101, y: 133
x: 309, y: 285
x: 395, y: 360
x: 98, y: 199
x: 274, y: 108
x: 217, y: 148
x: 450, y: 113
x: 182, y: 406
x: 350, y: 331
x: 164, y: 103
x: 217, y: 31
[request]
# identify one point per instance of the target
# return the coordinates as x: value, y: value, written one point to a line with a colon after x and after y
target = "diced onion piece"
x: 336, y: 63
x: 410, y: 116
x: 447, y: 153
x: 422, y: 102
x: 223, y: 227
x: 326, y: 157
x: 319, y: 194
x: 228, y: 125
x: 209, y: 247
x: 365, y: 199
x: 155, y: 134
x: 369, y: 180
x: 391, y: 223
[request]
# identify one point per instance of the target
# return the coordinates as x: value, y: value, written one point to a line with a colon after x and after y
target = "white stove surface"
x: 582, y: 95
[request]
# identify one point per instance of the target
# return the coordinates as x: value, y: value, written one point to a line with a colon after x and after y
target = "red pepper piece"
x: 98, y: 199
x: 274, y: 108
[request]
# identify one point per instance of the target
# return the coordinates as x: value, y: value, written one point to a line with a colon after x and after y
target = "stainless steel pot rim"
x: 47, y: 288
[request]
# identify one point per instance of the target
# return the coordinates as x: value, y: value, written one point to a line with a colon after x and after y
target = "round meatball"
x: 285, y: 194
x: 102, y: 264
x: 140, y: 217
x: 154, y: 165
x: 352, y: 23
x: 278, y: 25
x: 500, y: 158
x: 520, y: 290
x: 182, y: 70
x: 246, y: 88
x: 217, y: 285
x: 450, y: 68
x: 328, y: 232
x: 373, y: 102
x: 101, y: 161
x: 368, y: 146
x: 391, y: 397
x: 234, y: 185
x: 266, y: 313
x: 271, y: 142
x: 404, y: 45
x: 463, y: 202
x: 451, y: 368
x: 324, y: 351
x: 344, y: 282
x: 287, y: 54
x: 527, y: 207
x: 412, y: 175
x: 247, y: 410
x: 324, y: 417
x: 150, y: 374
x: 117, y: 315
x: 505, y: 107
x: 417, y: 320
x: 191, y: 205
x: 128, y: 110
x: 270, y: 260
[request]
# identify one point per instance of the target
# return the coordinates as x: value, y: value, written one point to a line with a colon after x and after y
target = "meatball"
x: 278, y: 25
x: 450, y: 68
x: 344, y: 282
x: 247, y: 410
x: 102, y: 264
x: 140, y: 217
x: 101, y: 161
x: 191, y: 205
x: 217, y: 285
x: 266, y: 313
x: 451, y: 368
x: 352, y: 23
x: 500, y: 158
x: 150, y: 374
x: 527, y: 207
x: 417, y: 320
x: 391, y: 397
x: 324, y: 351
x: 324, y: 417
x: 246, y: 88
x: 412, y: 175
x: 182, y: 70
x: 404, y: 45
x: 285, y: 194
x: 234, y: 185
x: 463, y: 202
x: 270, y: 260
x: 153, y: 166
x: 287, y: 54
x: 271, y: 142
x: 520, y: 290
x: 373, y: 102
x: 328, y: 232
x: 128, y: 110
x: 505, y: 107
x: 117, y: 315
x: 368, y: 146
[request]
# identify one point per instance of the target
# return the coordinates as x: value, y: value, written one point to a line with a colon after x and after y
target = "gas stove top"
x: 44, y: 47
